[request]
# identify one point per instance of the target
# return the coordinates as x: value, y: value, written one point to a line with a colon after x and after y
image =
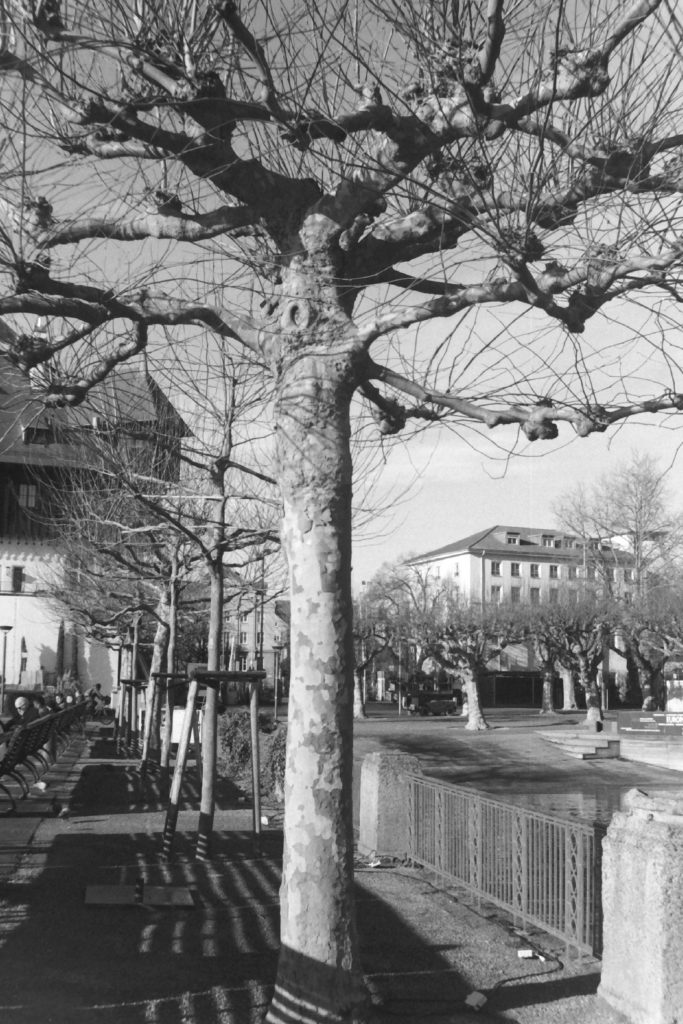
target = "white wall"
x: 35, y: 619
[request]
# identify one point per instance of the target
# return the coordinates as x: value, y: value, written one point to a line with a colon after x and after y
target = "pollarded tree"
x: 587, y: 628
x: 650, y: 631
x: 315, y: 183
x: 546, y: 629
x: 472, y: 639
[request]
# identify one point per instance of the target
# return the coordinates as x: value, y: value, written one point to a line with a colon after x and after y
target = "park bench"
x: 34, y: 747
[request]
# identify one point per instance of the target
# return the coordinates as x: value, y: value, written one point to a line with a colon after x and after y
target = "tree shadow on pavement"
x: 68, y: 961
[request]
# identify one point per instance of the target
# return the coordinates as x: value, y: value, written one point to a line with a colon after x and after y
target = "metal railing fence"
x: 545, y: 871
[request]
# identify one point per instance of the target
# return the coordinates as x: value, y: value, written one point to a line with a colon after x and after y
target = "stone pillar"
x: 384, y: 803
x: 642, y: 897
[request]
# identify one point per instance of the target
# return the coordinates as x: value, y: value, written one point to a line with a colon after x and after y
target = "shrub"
x: 233, y: 755
x: 273, y: 765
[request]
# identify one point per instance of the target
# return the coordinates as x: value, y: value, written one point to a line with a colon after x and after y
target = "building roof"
x: 32, y: 435
x: 493, y: 540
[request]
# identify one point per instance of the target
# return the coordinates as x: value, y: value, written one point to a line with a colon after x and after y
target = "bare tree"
x: 627, y: 510
x: 586, y: 630
x: 472, y: 639
x: 424, y: 206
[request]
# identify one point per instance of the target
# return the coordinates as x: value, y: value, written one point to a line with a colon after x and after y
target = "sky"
x: 459, y: 491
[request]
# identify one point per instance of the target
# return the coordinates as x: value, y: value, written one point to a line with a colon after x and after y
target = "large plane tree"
x: 444, y: 211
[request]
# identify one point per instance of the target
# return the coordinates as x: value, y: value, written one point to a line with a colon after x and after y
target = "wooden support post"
x: 135, y: 721
x: 181, y: 760
x: 128, y: 730
x: 150, y: 701
x: 167, y: 733
x: 255, y: 766
x: 209, y: 745
x: 197, y: 746
x: 121, y: 718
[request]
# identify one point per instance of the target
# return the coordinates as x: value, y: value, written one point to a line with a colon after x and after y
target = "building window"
x: 28, y: 495
x: 554, y: 575
x: 243, y: 638
x: 553, y: 595
x: 628, y: 597
x: 17, y: 579
x: 534, y: 571
x: 514, y: 568
x: 456, y: 569
x: 495, y: 595
x: 590, y: 572
x: 547, y: 540
x: 535, y: 595
x: 610, y: 575
x: 259, y: 638
x: 515, y: 595
x: 495, y: 568
x: 572, y: 572
x: 244, y: 616
x: 512, y: 538
x: 628, y: 575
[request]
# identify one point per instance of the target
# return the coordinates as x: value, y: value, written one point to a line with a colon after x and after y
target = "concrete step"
x: 586, y: 753
x: 583, y: 745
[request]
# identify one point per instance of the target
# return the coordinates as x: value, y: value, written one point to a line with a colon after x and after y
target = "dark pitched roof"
x: 33, y: 435
x: 493, y: 540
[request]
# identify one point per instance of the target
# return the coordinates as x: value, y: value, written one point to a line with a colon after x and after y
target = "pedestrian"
x: 40, y: 705
x: 23, y: 712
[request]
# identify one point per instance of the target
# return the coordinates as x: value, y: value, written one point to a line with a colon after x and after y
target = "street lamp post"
x: 277, y: 649
x: 5, y: 631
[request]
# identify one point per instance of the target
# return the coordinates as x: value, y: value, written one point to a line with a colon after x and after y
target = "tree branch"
x: 537, y: 421
x: 457, y: 299
x: 97, y: 306
x: 495, y: 33
x: 180, y: 227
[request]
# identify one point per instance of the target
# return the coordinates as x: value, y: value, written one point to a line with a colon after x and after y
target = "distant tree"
x: 650, y: 631
x: 627, y: 510
x: 545, y: 627
x: 472, y: 638
x: 587, y: 627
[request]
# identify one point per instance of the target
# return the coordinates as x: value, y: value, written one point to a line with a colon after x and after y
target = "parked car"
x: 430, y: 702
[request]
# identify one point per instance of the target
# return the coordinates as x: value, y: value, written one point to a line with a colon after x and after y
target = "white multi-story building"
x: 519, y: 565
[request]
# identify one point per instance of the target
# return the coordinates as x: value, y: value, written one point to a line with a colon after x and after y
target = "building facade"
x: 39, y: 453
x: 519, y: 565
x: 516, y: 565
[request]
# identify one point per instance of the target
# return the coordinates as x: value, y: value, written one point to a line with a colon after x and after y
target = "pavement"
x: 69, y: 958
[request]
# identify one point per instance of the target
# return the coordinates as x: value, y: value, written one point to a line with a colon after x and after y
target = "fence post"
x: 384, y: 802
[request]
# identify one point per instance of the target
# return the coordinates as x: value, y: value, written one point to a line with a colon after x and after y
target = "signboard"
x: 650, y: 724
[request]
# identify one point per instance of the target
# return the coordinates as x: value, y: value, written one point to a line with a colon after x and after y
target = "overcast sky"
x: 460, y: 491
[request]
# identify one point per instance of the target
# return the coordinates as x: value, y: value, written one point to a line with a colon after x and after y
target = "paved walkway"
x: 69, y: 962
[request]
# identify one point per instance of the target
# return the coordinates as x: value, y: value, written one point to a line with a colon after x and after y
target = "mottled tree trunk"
x: 150, y: 740
x: 548, y: 695
x: 319, y: 975
x: 568, y: 691
x: 358, y: 702
x: 166, y: 693
x: 476, y: 722
x: 210, y: 713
